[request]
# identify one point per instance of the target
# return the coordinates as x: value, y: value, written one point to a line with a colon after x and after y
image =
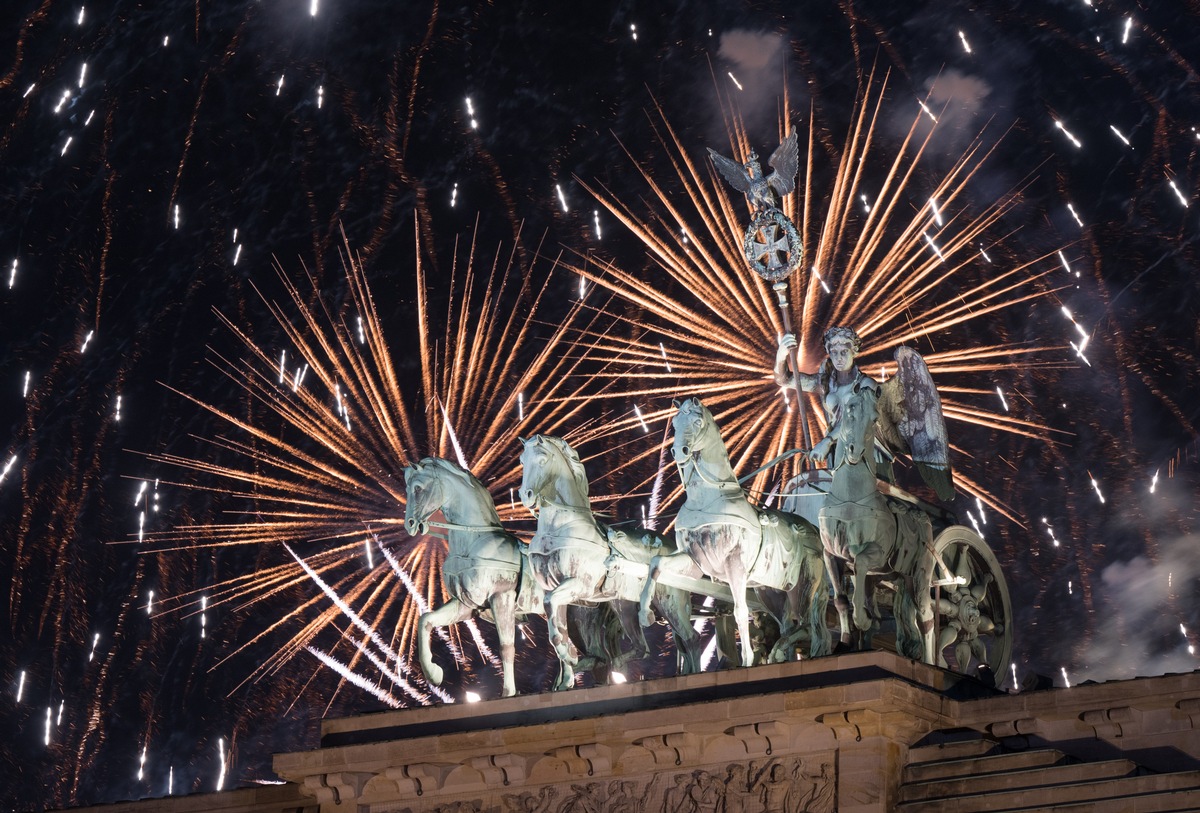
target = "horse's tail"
x: 909, y: 640
x: 820, y: 641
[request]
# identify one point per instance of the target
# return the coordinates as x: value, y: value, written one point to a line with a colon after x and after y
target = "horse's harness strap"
x: 452, y: 526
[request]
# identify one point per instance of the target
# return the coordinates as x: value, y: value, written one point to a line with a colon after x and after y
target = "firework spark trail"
x: 353, y: 677
x: 365, y: 628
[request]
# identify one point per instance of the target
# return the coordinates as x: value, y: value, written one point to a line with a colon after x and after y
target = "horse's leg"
x: 782, y: 607
x: 449, y: 613
x: 676, y: 606
x: 569, y: 591
x: 862, y: 620
x: 818, y: 603
x: 735, y: 575
x: 627, y: 615
x: 679, y: 563
x: 833, y: 567
x: 504, y: 612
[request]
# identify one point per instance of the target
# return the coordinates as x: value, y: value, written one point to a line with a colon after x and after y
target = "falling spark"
x: 520, y: 406
x: 454, y: 195
x: 866, y: 206
x: 1014, y: 674
x: 7, y: 467
x: 82, y: 74
x: 561, y: 198
x: 25, y: 388
x: 1063, y: 257
x: 933, y: 246
x: 312, y: 9
x: 282, y: 365
x: 1154, y: 481
x: 370, y: 559
x: 62, y: 705
x: 21, y: 686
x: 362, y: 337
x: 1003, y: 402
x: 49, y: 715
x: 1178, y: 194
x: 975, y: 523
x: 637, y: 411
x: 821, y: 280
x: 320, y: 96
x: 176, y: 215
x: 237, y: 254
x: 1125, y: 34
x: 596, y: 220
x: 979, y: 505
x: 1074, y: 214
x: 221, y: 751
x: 28, y: 90
x: 150, y: 601
x: 1050, y: 530
x: 89, y: 118
x: 663, y: 350
x: 1096, y: 486
x: 472, y: 697
x: 95, y: 643
x: 142, y: 490
x: 203, y: 617
x: 80, y: 20
x: 471, y: 114
x: 141, y: 538
x: 166, y: 40
x: 1066, y: 680
x: 633, y: 28
x: 985, y: 256
x: 279, y: 87
x: 1120, y: 136
x: 117, y: 416
x: 937, y: 215
x: 171, y: 780
x: 963, y: 37
x: 86, y: 340
x: 1078, y: 144
x: 1070, y: 587
x: 65, y: 98
x: 927, y: 111
x: 68, y: 144
x: 142, y: 765
x: 735, y: 81
x: 582, y: 287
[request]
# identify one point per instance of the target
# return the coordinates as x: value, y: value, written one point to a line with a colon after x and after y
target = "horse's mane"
x: 453, y: 468
x: 573, y: 462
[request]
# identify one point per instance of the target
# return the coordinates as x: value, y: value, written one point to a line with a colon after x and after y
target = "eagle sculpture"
x: 748, y: 178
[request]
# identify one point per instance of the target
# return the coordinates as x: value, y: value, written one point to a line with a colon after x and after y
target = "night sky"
x: 165, y: 162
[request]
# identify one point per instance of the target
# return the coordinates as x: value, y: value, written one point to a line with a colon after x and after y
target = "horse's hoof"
x: 434, y: 675
x: 646, y: 617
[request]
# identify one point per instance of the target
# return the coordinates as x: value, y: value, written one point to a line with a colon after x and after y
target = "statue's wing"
x: 786, y: 163
x: 733, y: 172
x: 911, y: 420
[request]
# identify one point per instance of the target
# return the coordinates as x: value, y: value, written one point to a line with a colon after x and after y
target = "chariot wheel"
x: 969, y: 604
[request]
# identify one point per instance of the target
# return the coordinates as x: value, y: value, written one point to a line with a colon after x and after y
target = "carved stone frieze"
x: 773, y: 785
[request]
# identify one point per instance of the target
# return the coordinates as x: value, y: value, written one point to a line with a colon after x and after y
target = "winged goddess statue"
x: 907, y: 407
x: 748, y: 177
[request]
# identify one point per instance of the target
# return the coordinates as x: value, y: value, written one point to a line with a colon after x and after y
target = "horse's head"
x: 854, y: 436
x: 690, y: 424
x: 424, y: 494
x: 549, y: 467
